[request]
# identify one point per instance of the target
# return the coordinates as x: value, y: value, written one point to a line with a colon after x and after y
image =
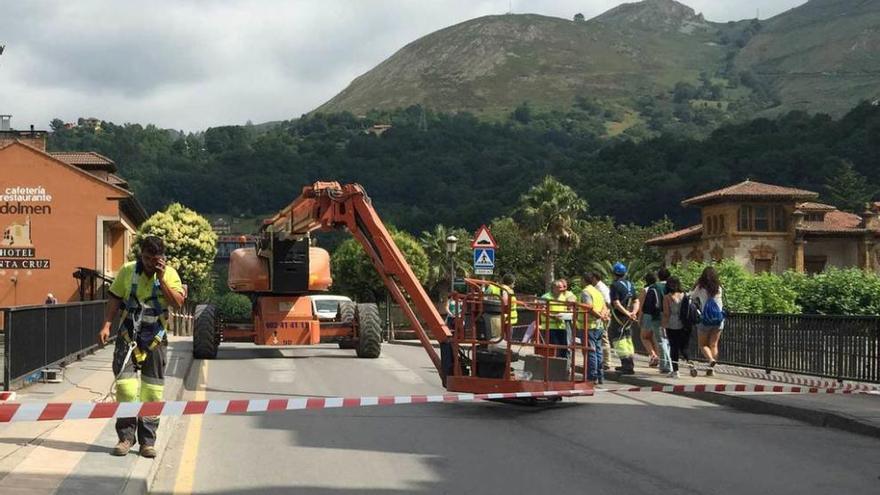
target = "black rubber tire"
x: 206, y: 334
x: 347, y: 314
x: 369, y: 343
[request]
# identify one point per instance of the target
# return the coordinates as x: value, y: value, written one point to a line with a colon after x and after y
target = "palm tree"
x: 434, y: 244
x: 549, y: 212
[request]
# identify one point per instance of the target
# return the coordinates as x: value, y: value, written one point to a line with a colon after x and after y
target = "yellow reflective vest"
x: 496, y: 290
x: 556, y: 308
x: 598, y: 305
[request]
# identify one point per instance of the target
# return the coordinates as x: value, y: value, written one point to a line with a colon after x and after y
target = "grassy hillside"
x: 629, y: 62
x: 490, y: 65
x: 821, y: 56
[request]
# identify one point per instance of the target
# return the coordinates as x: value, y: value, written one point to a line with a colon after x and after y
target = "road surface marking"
x: 186, y: 473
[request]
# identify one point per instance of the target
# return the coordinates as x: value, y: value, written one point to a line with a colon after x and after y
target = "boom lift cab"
x: 284, y: 269
x: 278, y: 276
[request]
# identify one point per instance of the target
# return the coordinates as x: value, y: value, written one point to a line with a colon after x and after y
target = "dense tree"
x: 190, y: 245
x: 432, y: 168
x: 434, y: 244
x: 355, y: 276
x: 847, y: 189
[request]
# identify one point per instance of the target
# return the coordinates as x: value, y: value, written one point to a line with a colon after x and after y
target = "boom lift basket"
x: 480, y: 356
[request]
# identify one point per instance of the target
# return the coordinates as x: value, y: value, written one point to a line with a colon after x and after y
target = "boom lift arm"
x: 328, y: 206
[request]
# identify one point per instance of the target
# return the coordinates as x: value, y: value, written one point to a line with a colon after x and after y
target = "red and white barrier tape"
x: 41, y: 411
x: 794, y: 380
x: 4, y: 396
x: 740, y: 387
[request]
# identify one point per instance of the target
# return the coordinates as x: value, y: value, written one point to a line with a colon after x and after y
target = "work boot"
x: 122, y: 448
x: 148, y: 451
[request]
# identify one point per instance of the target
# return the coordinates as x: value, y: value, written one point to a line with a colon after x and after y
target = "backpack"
x: 713, y: 316
x: 689, y: 312
x: 653, y: 304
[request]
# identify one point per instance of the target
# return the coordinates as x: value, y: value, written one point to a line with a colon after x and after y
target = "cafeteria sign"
x: 17, y: 247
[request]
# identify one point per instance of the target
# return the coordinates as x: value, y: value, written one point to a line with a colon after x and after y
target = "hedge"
x: 835, y: 291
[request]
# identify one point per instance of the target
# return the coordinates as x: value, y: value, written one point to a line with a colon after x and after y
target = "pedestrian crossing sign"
x: 484, y: 261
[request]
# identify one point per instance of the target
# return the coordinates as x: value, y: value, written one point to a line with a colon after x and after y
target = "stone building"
x: 768, y: 228
x: 60, y: 214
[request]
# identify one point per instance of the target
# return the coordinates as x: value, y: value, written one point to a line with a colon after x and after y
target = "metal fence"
x: 841, y: 347
x: 180, y: 323
x: 39, y: 336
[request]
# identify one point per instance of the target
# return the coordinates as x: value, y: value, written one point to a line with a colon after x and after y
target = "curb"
x: 143, y: 475
x: 757, y: 406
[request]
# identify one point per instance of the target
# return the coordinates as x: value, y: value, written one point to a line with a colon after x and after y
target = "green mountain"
x: 490, y: 65
x: 654, y: 62
x: 822, y: 56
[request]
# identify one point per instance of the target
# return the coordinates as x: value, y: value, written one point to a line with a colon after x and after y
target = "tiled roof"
x: 751, y: 190
x: 85, y: 159
x: 117, y: 180
x: 835, y: 222
x: 808, y: 206
x: 694, y: 231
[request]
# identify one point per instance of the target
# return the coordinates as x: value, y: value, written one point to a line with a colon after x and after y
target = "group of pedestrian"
x: 664, y: 313
x: 669, y: 316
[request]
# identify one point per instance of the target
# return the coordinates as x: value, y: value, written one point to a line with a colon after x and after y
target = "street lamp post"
x: 451, y: 246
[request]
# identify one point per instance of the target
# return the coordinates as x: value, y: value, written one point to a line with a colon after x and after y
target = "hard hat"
x: 619, y: 268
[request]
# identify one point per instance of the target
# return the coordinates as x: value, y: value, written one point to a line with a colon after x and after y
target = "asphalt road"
x: 611, y: 443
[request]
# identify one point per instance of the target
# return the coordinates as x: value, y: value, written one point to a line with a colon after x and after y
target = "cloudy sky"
x: 195, y: 64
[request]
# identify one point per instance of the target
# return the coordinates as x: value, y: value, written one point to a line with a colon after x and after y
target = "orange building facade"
x: 59, y: 213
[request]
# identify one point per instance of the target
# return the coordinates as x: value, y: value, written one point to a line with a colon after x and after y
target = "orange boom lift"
x: 281, y: 272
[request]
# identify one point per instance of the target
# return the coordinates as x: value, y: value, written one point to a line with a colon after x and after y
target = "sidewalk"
x: 74, y: 456
x: 855, y: 413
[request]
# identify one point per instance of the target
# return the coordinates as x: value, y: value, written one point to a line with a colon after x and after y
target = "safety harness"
x: 142, y: 328
x: 143, y: 325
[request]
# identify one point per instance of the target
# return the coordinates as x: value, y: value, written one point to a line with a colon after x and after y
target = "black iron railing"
x: 833, y: 346
x: 93, y: 285
x: 39, y: 336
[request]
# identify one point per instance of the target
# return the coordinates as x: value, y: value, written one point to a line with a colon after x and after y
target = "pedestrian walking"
x: 652, y: 314
x: 624, y: 312
x: 599, y: 316
x: 709, y: 292
x: 144, y: 290
x: 677, y: 329
x: 648, y: 303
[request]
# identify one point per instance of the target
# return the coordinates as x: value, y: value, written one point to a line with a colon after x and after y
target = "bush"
x: 190, y: 245
x: 234, y: 307
x: 744, y: 292
x: 834, y: 292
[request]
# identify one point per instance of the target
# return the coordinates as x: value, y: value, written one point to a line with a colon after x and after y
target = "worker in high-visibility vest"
x: 599, y: 316
x: 624, y: 313
x: 560, y: 319
x: 505, y: 290
x: 144, y: 290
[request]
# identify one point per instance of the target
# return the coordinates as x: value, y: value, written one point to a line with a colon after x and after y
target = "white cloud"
x: 191, y: 65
